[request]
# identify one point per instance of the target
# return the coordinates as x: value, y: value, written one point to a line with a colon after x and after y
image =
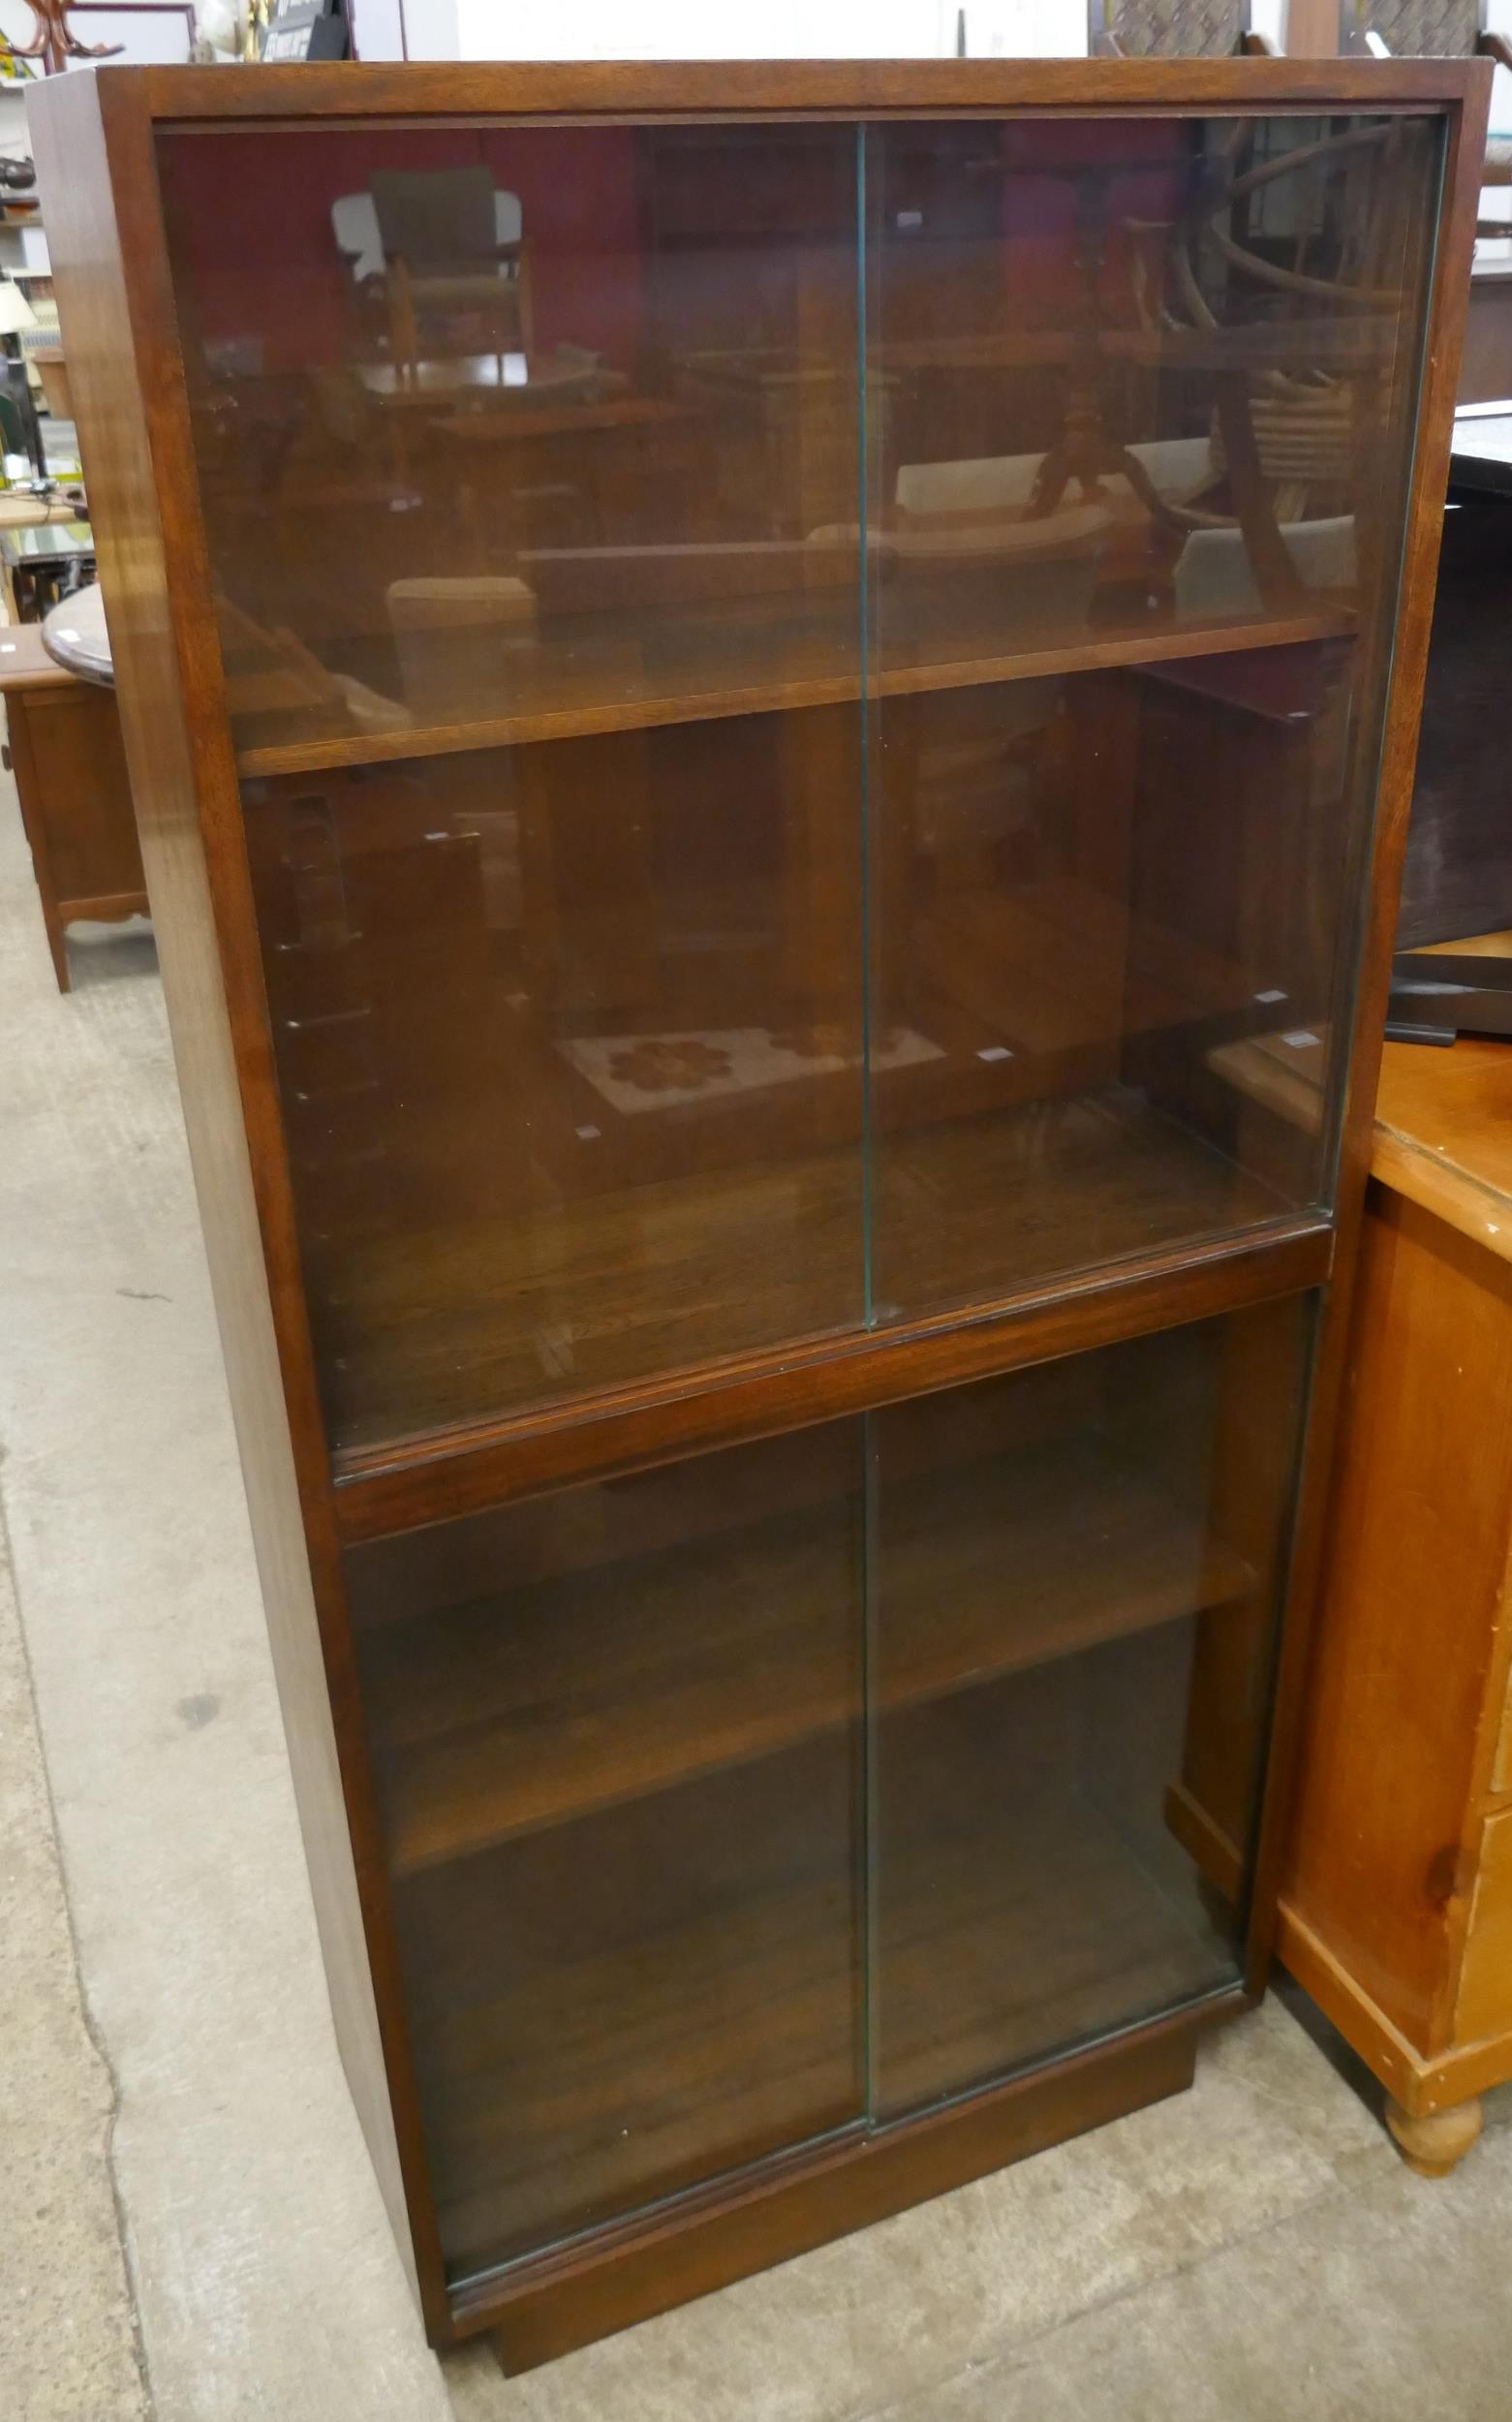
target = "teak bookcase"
x: 758, y: 698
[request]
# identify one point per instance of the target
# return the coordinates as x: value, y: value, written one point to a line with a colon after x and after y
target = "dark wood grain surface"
x: 95, y: 158
x: 665, y: 695
x: 803, y: 2199
x: 423, y: 1330
x: 441, y: 1477
x: 1026, y: 1931
x: 506, y: 1717
x: 912, y: 89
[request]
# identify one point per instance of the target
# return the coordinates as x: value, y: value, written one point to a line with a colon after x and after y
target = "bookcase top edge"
x: 777, y: 88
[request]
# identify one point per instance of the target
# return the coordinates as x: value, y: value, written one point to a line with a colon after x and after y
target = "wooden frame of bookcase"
x: 95, y: 144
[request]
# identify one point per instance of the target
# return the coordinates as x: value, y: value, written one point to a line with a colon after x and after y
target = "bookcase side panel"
x: 93, y: 151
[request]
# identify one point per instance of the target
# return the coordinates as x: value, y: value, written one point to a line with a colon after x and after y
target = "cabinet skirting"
x: 549, y: 2306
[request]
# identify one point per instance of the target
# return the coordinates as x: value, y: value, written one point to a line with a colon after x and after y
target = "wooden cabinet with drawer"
x: 1398, y: 1909
x: 75, y: 795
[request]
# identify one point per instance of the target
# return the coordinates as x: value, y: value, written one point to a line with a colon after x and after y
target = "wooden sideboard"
x: 1397, y: 1913
x: 64, y: 750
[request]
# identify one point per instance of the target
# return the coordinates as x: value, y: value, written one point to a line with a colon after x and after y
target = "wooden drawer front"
x: 84, y: 792
x: 1485, y: 2006
x: 1501, y: 1771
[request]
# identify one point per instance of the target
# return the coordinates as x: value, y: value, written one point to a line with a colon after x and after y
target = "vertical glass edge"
x: 1365, y: 849
x: 1312, y: 1304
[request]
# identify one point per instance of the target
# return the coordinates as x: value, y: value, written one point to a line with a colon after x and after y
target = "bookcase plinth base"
x: 804, y: 2200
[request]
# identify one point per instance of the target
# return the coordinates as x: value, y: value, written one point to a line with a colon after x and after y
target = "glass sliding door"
x: 1075, y: 1576
x: 804, y: 1785
x: 1139, y: 398
x: 617, y: 1740
x: 806, y: 695
x: 531, y: 503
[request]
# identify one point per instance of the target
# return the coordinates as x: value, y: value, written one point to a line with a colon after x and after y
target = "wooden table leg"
x: 1435, y: 2142
x: 1276, y: 575
x: 18, y: 760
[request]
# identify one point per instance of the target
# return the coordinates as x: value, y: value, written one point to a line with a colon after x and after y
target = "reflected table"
x: 73, y: 632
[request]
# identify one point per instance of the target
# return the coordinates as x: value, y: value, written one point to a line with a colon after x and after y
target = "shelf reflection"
x: 582, y: 423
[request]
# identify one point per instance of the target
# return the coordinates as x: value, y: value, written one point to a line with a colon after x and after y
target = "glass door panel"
x: 647, y: 1858
x: 1137, y: 400
x: 520, y: 421
x: 1111, y: 906
x: 540, y: 438
x: 617, y: 1744
x: 567, y: 1040
x: 1075, y: 1575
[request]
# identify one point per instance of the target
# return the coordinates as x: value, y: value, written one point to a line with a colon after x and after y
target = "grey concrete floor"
x: 188, y: 2226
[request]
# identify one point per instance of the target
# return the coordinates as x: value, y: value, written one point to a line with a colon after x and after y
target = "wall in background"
x: 691, y: 29
x: 739, y: 29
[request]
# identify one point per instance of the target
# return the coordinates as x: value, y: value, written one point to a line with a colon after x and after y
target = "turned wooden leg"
x: 1433, y: 2144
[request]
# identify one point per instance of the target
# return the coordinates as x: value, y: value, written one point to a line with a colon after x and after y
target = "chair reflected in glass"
x: 1130, y: 400
x: 442, y: 254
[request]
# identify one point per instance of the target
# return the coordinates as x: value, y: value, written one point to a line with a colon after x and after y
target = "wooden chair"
x: 1286, y: 441
x: 1433, y: 29
x: 443, y: 261
x: 1422, y: 29
x: 1172, y: 29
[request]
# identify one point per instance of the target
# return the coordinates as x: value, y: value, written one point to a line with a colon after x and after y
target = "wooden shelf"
x: 570, y: 704
x: 1022, y: 1912
x: 588, y: 2070
x: 666, y: 2007
x: 529, y: 1709
x: 421, y: 1332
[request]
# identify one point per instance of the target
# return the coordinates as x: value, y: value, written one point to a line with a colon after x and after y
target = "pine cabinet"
x: 1396, y: 1908
x: 760, y: 696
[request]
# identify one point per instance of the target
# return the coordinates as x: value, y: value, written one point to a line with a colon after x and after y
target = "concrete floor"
x: 188, y: 2226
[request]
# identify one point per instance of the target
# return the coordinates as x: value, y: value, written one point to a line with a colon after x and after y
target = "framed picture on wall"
x: 150, y: 33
